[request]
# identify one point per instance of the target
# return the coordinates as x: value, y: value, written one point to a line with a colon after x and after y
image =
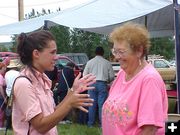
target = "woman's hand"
x: 83, y: 84
x: 76, y: 99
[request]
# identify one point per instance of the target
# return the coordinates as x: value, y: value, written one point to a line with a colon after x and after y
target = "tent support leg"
x: 177, y: 48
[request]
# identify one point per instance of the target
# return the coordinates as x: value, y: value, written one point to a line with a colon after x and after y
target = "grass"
x: 76, y: 129
x: 72, y: 129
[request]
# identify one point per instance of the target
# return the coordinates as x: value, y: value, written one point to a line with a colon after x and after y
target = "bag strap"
x: 65, y: 80
x: 10, y: 100
x: 4, y: 102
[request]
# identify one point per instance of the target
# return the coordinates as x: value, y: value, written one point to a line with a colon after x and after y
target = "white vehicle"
x: 173, y: 63
x: 116, y: 67
x: 167, y: 72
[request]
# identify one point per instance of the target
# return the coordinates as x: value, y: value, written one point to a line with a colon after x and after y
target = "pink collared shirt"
x: 31, y: 99
x: 135, y: 103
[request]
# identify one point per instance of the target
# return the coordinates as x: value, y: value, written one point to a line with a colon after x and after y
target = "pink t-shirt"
x: 30, y: 99
x: 134, y: 103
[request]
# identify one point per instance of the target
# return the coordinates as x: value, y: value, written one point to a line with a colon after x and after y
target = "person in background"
x: 6, y: 60
x: 34, y: 111
x: 3, y: 99
x: 66, y: 80
x: 137, y: 101
x: 11, y: 74
x: 102, y: 69
x: 53, y: 76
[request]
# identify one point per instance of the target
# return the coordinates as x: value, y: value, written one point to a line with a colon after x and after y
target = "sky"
x: 9, y: 9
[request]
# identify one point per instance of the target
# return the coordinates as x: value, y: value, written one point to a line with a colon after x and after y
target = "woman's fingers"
x: 82, y: 84
x: 78, y: 76
x: 83, y: 100
x: 90, y: 83
x: 85, y: 88
x: 85, y: 104
x: 88, y: 78
x: 82, y: 109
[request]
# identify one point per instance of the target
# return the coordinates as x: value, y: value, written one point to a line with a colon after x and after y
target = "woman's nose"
x: 56, y: 57
x: 117, y: 57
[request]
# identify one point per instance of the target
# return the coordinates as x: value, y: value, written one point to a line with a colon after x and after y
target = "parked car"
x: 5, y: 57
x: 79, y: 58
x: 62, y: 61
x: 173, y: 63
x: 167, y: 72
x: 8, y: 54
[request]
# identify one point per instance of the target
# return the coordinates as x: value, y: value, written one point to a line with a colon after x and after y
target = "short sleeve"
x: 151, y: 104
x: 26, y: 99
x: 86, y: 69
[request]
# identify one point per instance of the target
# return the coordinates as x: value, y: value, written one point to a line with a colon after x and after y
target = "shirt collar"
x: 41, y: 77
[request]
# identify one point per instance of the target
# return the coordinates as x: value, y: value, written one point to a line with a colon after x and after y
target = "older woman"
x: 137, y: 102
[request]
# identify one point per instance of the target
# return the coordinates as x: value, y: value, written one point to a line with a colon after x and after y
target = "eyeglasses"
x: 118, y: 52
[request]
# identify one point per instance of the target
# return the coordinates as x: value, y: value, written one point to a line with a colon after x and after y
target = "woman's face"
x: 127, y: 58
x: 45, y: 60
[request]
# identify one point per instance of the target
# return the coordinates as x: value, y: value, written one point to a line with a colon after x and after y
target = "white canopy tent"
x: 101, y: 16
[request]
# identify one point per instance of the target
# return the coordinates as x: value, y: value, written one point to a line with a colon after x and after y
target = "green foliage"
x: 14, y: 41
x: 62, y: 36
x: 3, y: 49
x: 163, y: 46
x: 86, y: 42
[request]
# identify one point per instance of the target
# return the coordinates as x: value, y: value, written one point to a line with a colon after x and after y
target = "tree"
x: 3, y: 49
x: 163, y: 46
x: 62, y: 36
x: 82, y: 41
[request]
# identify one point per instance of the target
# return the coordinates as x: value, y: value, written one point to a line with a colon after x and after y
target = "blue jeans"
x: 99, y: 94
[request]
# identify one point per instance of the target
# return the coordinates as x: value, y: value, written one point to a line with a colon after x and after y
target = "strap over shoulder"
x: 10, y: 100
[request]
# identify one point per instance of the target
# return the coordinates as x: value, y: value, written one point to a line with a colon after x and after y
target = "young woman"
x: 34, y: 111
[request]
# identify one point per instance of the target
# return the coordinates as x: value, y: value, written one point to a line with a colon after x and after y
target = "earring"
x: 140, y: 63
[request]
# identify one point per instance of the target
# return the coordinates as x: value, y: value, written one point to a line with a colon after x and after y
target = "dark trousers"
x: 99, y: 94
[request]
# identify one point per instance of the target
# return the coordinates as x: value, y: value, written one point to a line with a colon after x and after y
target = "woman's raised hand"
x: 83, y: 84
x: 78, y: 100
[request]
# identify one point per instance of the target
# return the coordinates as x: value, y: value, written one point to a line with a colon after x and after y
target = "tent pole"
x: 145, y: 23
x: 177, y: 48
x: 45, y: 25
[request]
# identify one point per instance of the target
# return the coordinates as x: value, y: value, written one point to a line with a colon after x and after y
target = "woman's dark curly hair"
x: 27, y: 43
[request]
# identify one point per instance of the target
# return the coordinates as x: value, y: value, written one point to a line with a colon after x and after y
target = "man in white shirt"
x: 102, y: 69
x: 11, y: 75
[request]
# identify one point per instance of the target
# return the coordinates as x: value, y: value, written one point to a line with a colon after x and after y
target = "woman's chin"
x: 123, y: 68
x: 50, y: 69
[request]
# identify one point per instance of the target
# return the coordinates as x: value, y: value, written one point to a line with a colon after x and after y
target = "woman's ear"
x: 35, y: 53
x: 140, y: 52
